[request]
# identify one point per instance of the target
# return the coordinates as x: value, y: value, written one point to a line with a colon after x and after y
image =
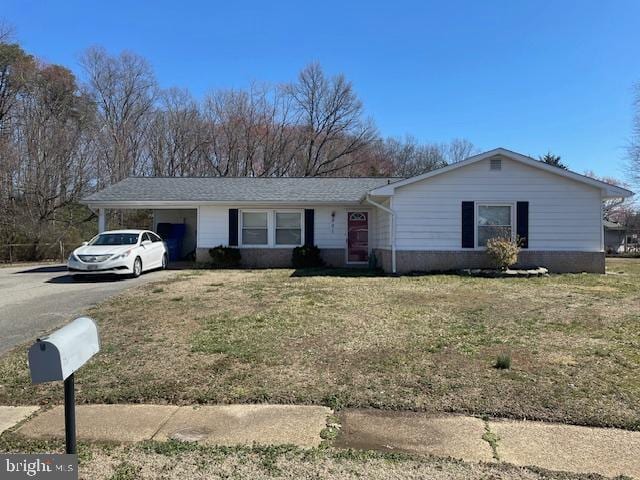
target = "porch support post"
x: 102, y: 220
x: 392, y: 227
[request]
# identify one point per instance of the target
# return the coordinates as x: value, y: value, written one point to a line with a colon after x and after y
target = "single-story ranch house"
x: 439, y: 220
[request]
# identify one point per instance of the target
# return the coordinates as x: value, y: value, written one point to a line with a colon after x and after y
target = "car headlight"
x: 122, y: 255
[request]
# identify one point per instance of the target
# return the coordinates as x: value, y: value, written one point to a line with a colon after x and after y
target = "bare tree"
x: 459, y: 149
x: 280, y: 142
x: 330, y: 119
x: 251, y: 133
x: 59, y: 139
x: 16, y: 70
x: 615, y: 209
x: 177, y: 135
x: 406, y: 157
x: 411, y: 158
x: 232, y: 116
x: 50, y: 149
x: 124, y: 89
x: 6, y: 32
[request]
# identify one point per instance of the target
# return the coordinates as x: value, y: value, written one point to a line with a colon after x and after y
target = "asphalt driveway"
x: 38, y: 298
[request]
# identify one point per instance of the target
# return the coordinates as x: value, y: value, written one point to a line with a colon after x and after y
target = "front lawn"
x: 423, y: 342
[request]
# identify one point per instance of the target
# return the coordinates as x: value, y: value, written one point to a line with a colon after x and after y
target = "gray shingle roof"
x: 237, y: 189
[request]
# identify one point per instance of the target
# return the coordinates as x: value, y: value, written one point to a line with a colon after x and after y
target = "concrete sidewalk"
x: 10, y: 416
x: 605, y: 451
x: 213, y: 425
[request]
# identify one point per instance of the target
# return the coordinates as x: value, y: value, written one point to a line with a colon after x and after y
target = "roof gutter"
x: 196, y: 203
x: 392, y: 228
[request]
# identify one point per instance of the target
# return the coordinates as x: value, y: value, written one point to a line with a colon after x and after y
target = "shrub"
x: 503, y: 362
x: 224, y: 257
x: 503, y: 252
x: 307, y: 256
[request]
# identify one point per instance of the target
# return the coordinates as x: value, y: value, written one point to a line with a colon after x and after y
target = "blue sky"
x: 531, y: 75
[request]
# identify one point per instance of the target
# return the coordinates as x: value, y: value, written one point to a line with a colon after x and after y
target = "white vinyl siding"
x: 213, y: 226
x: 563, y: 214
x: 330, y: 230
x: 330, y: 227
x: 381, y: 231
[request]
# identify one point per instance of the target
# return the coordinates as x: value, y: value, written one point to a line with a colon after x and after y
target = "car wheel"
x: 137, y: 267
x: 164, y: 261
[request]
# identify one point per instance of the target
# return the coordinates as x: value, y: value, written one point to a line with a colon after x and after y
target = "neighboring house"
x: 614, y: 237
x: 436, y: 221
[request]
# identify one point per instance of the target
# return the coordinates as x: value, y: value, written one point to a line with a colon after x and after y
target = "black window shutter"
x: 233, y: 227
x: 468, y: 225
x: 309, y: 221
x: 522, y: 223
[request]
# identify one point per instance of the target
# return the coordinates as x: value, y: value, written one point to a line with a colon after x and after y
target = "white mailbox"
x: 58, y: 355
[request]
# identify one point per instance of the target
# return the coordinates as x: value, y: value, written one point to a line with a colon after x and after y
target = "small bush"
x: 503, y: 362
x: 503, y: 252
x: 307, y: 256
x: 224, y: 257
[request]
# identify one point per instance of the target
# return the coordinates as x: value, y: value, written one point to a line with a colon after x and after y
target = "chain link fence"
x: 31, y: 252
x: 631, y: 244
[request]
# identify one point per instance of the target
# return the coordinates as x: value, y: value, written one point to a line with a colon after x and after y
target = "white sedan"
x: 124, y: 252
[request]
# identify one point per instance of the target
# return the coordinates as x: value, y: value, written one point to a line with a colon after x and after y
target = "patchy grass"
x: 153, y: 460
x: 417, y: 342
x: 492, y: 439
x: 503, y: 361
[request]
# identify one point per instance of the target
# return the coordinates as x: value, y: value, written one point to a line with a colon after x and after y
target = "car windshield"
x: 115, y: 239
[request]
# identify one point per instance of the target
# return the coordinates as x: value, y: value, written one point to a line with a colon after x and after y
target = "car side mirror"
x: 84, y: 244
x: 145, y: 243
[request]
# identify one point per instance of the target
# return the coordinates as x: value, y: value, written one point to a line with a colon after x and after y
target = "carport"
x: 185, y: 217
x: 164, y: 218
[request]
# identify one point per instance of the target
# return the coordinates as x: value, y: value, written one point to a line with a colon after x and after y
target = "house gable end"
x: 502, y: 154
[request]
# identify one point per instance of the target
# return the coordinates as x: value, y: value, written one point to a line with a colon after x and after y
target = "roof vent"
x: 496, y: 164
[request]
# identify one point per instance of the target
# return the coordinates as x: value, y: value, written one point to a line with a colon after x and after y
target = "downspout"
x: 602, y: 224
x: 392, y: 230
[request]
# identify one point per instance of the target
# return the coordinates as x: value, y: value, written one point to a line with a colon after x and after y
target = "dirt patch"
x: 446, y: 436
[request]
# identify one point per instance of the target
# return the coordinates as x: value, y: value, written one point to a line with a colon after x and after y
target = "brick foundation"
x: 426, y: 261
x: 276, y: 257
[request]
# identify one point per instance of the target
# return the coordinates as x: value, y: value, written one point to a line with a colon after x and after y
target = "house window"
x: 358, y: 216
x: 288, y: 228
x: 494, y: 221
x: 255, y: 229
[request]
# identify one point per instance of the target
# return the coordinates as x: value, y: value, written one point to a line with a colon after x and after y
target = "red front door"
x: 358, y: 237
